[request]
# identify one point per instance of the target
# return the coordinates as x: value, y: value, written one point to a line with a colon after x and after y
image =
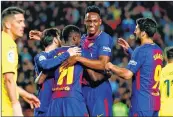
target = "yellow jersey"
x: 9, y: 64
x: 166, y: 90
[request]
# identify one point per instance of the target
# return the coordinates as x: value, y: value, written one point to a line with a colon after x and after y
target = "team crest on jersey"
x: 11, y: 56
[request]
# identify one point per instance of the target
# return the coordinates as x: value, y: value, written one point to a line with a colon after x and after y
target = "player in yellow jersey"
x: 166, y: 85
x: 13, y: 28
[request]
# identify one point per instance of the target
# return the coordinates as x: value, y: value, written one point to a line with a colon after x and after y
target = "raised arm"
x: 123, y: 43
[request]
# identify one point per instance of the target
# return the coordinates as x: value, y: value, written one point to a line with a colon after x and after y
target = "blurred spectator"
x: 128, y: 25
x: 119, y: 108
x: 25, y: 55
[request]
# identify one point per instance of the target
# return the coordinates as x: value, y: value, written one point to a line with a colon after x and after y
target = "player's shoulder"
x: 7, y: 41
x: 167, y: 68
x: 104, y: 38
x: 105, y: 35
x: 40, y: 56
x: 138, y: 49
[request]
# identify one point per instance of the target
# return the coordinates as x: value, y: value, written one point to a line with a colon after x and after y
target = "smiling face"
x: 92, y: 22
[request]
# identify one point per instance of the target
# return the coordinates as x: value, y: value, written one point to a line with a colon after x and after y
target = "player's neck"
x: 49, y: 48
x: 10, y: 33
x: 146, y: 41
x: 93, y: 35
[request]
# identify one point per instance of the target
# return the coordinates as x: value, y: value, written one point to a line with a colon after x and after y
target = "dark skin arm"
x: 91, y: 64
x: 96, y: 75
x: 41, y: 79
x: 94, y: 64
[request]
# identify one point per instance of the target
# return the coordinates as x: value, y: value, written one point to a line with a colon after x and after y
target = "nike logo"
x: 99, y: 115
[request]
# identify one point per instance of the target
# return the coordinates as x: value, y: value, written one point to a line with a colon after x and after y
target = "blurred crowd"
x: 118, y: 20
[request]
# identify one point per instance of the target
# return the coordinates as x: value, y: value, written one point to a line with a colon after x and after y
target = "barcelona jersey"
x: 97, y: 103
x: 67, y: 81
x: 46, y: 62
x: 146, y: 64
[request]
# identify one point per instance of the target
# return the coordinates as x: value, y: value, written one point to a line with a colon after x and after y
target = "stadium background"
x: 118, y: 20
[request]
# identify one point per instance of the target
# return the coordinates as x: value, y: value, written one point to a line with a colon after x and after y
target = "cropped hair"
x: 69, y: 29
x: 148, y: 25
x: 48, y: 36
x: 169, y: 52
x: 10, y: 11
x: 94, y: 9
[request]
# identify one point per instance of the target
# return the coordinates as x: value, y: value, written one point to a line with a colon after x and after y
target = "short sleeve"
x: 105, y: 45
x: 136, y: 61
x: 9, y: 59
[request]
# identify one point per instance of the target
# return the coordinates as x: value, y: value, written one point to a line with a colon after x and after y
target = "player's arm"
x: 28, y: 97
x: 134, y: 65
x: 35, y: 35
x: 97, y: 75
x: 8, y: 72
x: 123, y: 43
x: 47, y: 64
x: 41, y: 78
x: 94, y: 64
x: 10, y: 86
x: 121, y: 72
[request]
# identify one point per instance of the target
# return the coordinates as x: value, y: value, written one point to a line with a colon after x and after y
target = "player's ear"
x: 7, y: 25
x: 143, y: 33
x: 100, y: 22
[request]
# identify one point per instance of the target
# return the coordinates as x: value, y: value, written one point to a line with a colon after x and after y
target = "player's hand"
x: 35, y: 35
x: 123, y: 43
x: 69, y: 62
x: 109, y: 66
x: 74, y: 51
x: 17, y: 110
x: 32, y: 100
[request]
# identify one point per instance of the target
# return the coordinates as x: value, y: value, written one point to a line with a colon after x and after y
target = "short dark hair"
x: 169, y: 53
x: 11, y: 11
x: 94, y: 9
x: 48, y: 36
x: 69, y: 29
x: 148, y: 25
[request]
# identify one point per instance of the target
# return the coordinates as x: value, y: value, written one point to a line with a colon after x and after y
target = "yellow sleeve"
x: 8, y: 59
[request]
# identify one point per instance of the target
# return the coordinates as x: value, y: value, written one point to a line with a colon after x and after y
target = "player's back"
x: 145, y: 92
x: 45, y: 89
x: 67, y: 80
x: 166, y: 90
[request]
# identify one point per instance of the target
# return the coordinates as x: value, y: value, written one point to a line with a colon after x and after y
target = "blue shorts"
x: 143, y: 113
x: 67, y: 106
x: 99, y: 100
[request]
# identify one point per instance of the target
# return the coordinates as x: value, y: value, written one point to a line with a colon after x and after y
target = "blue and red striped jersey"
x: 146, y: 63
x: 67, y: 81
x: 46, y: 62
